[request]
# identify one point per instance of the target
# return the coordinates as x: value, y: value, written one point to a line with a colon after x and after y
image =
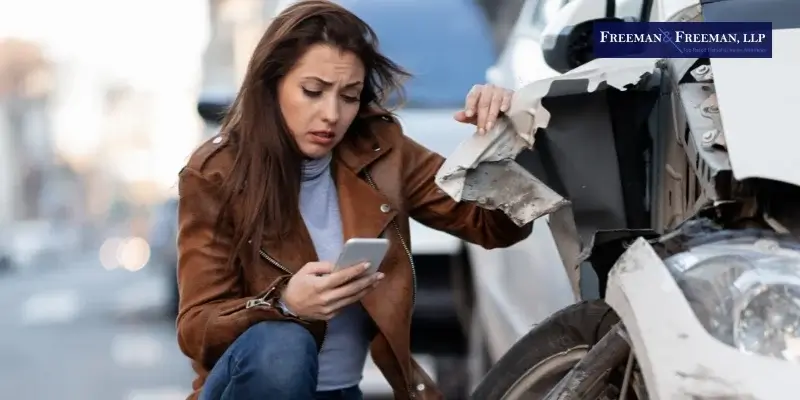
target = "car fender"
x: 677, y: 356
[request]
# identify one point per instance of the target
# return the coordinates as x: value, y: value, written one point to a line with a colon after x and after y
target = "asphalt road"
x: 79, y: 332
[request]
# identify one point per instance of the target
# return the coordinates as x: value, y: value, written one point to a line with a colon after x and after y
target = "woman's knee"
x: 282, y: 355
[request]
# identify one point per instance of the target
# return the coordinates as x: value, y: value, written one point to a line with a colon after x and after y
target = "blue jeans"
x: 270, y: 360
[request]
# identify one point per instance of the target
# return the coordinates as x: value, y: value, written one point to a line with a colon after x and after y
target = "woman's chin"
x: 315, y: 151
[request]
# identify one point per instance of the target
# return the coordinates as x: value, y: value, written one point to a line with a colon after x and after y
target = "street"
x: 82, y: 332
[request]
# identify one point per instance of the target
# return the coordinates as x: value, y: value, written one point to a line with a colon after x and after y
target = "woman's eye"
x: 311, y: 93
x: 351, y: 99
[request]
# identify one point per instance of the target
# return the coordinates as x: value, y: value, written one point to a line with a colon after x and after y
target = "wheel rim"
x: 545, y: 374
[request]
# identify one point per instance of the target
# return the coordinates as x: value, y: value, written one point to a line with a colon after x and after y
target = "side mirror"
x: 567, y: 41
x: 213, y: 110
x: 571, y: 47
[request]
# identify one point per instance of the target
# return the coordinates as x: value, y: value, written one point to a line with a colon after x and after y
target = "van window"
x: 629, y: 8
x: 545, y: 11
x: 446, y: 44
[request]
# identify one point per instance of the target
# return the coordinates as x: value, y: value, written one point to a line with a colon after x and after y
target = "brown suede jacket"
x: 383, y: 179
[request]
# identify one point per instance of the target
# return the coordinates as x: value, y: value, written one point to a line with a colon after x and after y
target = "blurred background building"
x: 96, y: 116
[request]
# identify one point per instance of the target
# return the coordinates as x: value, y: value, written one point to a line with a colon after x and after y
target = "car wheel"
x: 539, y: 360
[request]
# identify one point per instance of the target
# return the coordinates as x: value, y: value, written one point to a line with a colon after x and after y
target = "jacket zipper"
x: 268, y: 303
x: 407, y: 249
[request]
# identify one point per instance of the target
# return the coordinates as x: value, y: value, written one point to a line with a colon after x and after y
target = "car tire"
x: 173, y: 299
x: 5, y: 264
x: 479, y: 361
x: 553, y: 347
x: 451, y: 374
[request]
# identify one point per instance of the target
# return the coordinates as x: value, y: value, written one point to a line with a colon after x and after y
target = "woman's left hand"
x: 484, y: 103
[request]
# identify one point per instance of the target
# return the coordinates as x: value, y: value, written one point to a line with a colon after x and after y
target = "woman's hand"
x: 484, y: 103
x: 317, y: 293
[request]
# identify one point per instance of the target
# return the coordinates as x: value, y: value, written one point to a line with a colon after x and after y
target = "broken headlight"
x: 747, y: 295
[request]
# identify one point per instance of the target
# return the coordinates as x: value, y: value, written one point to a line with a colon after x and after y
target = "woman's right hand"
x: 317, y: 293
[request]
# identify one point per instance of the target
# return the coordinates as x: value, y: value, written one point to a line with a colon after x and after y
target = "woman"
x: 307, y: 159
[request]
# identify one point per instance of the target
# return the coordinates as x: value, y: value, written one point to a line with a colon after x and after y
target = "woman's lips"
x: 322, y: 137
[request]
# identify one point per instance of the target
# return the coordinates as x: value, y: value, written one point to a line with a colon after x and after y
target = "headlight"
x: 745, y: 294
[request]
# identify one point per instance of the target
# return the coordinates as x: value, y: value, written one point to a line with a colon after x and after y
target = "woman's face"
x: 320, y: 96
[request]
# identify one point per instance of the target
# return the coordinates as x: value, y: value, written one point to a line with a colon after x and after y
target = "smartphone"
x: 359, y: 250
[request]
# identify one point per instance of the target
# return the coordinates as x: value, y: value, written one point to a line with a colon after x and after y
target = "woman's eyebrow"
x: 329, y: 84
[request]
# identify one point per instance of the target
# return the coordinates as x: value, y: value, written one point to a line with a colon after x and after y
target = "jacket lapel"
x: 365, y: 211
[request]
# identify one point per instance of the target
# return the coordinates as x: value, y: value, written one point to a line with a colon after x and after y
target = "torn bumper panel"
x: 483, y: 170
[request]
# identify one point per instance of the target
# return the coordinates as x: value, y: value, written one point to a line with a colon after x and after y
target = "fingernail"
x: 366, y: 266
x: 469, y: 113
x: 380, y: 276
x: 489, y: 126
x: 481, y: 131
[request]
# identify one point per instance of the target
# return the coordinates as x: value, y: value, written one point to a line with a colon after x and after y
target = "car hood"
x: 758, y: 101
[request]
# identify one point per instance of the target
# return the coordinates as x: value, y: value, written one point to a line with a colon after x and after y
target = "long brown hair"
x: 264, y: 183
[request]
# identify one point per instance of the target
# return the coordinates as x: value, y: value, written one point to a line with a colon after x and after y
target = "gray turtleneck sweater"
x: 341, y: 361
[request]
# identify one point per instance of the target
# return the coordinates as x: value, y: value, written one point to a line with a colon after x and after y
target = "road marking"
x: 51, y: 308
x: 136, y: 350
x: 374, y: 383
x: 165, y: 393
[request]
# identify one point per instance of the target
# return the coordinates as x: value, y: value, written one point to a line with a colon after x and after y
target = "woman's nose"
x: 330, y: 111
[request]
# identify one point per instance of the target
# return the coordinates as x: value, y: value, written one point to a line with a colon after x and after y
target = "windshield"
x: 446, y: 44
x: 546, y: 11
x: 783, y: 14
x: 629, y: 8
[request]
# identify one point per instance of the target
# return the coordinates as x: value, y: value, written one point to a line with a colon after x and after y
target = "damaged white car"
x: 677, y: 181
